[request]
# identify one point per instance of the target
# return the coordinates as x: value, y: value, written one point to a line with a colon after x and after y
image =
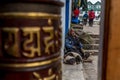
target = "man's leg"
x: 85, y: 21
x: 90, y: 22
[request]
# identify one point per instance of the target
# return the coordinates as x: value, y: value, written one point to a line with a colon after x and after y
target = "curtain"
x: 81, y: 4
x: 84, y: 5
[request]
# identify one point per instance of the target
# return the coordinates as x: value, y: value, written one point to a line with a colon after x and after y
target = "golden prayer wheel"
x: 30, y: 40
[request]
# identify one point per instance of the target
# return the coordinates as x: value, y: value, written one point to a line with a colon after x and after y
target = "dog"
x: 72, y: 58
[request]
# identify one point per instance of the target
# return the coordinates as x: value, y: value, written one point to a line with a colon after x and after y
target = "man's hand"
x: 73, y: 47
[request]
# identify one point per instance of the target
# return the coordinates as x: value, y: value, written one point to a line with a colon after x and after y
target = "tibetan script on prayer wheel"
x: 30, y: 40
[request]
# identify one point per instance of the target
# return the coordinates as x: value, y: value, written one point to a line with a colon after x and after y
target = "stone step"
x: 94, y: 52
x: 78, y: 26
x: 94, y: 35
x: 96, y: 40
x: 91, y: 46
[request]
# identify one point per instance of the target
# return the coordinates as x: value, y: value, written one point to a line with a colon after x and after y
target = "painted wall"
x: 70, y: 9
x: 64, y: 22
x: 68, y: 15
x: 113, y: 55
x: 63, y: 26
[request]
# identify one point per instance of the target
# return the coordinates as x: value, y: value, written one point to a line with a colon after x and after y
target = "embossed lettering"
x: 58, y: 38
x: 49, y: 40
x: 11, y: 41
x: 50, y: 76
x: 31, y: 32
x: 37, y: 76
x: 30, y: 44
x: 60, y: 35
x: 56, y: 42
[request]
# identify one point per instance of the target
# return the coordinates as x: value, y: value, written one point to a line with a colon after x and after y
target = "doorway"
x: 88, y: 69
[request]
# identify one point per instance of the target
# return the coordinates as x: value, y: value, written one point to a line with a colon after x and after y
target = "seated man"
x: 72, y: 44
x: 74, y: 53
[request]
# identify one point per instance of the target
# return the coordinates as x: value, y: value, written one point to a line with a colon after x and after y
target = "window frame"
x: 104, y: 32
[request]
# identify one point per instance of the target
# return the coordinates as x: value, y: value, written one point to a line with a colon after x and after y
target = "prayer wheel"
x: 30, y: 40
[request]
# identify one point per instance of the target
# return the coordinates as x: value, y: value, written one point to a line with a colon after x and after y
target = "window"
x: 98, y: 12
x: 88, y: 6
x: 99, y: 6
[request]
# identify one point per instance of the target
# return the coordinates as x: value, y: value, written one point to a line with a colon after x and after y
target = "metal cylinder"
x: 30, y: 40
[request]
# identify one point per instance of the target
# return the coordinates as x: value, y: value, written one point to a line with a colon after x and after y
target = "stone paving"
x: 73, y: 72
x: 91, y: 69
x: 92, y: 30
x: 85, y: 71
